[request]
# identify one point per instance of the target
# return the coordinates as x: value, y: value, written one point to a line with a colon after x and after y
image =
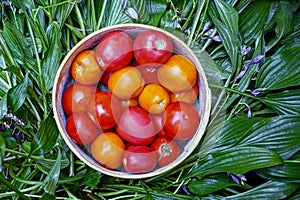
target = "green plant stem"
x: 101, y: 14
x: 41, y: 81
x: 195, y: 22
x: 190, y: 15
x: 7, y: 183
x: 201, y: 23
x: 80, y: 20
x: 209, y: 41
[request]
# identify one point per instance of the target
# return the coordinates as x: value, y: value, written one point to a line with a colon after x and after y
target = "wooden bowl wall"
x: 63, y: 80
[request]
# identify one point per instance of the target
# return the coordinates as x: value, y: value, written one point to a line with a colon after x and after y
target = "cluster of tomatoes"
x: 131, y: 101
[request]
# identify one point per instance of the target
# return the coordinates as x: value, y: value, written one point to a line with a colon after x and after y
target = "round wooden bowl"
x: 63, y: 78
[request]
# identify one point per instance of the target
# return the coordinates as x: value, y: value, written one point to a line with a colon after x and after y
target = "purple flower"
x: 216, y: 38
x: 238, y: 179
x: 256, y: 91
x: 185, y: 190
x: 245, y: 50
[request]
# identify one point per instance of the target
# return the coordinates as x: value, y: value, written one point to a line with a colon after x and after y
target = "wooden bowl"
x: 63, y: 78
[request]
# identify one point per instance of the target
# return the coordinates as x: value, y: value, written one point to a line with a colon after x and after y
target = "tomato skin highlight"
x: 81, y: 128
x: 85, y: 69
x: 108, y: 149
x: 106, y: 109
x: 139, y: 159
x: 136, y: 126
x: 77, y: 98
x: 181, y: 121
x: 152, y: 46
x: 114, y: 51
x: 167, y: 150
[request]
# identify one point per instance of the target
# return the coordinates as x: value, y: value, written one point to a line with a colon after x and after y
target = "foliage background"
x: 250, y: 50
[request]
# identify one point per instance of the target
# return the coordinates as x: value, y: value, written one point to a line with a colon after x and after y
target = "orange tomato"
x: 126, y: 83
x: 177, y: 74
x: 108, y: 149
x: 129, y: 102
x: 188, y: 96
x: 85, y: 69
x: 154, y: 98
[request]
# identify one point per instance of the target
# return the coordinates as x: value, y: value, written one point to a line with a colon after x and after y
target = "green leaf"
x: 288, y: 172
x: 286, y: 102
x: 16, y: 96
x: 282, y: 69
x: 116, y: 14
x: 209, y: 185
x: 268, y: 190
x: 92, y: 178
x: 2, y: 151
x: 62, y: 12
x: 228, y: 15
x: 226, y: 134
x: 50, y: 182
x: 230, y: 41
x: 252, y: 21
x: 3, y: 106
x: 156, y: 9
x: 140, y: 6
x: 238, y: 160
x: 273, y: 133
x: 46, y: 137
x: 75, y: 31
x: 284, y: 19
x: 52, y: 57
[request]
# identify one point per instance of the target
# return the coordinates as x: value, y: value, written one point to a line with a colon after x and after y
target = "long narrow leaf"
x: 238, y: 160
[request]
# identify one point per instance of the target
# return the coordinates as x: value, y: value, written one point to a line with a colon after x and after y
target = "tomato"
x: 114, y: 51
x: 159, y: 121
x: 77, y: 98
x: 166, y: 149
x: 177, y: 74
x: 188, y: 96
x: 152, y: 47
x: 149, y: 72
x: 135, y: 126
x: 181, y: 120
x: 106, y: 109
x: 126, y: 83
x: 81, y: 128
x: 154, y: 98
x: 85, y: 69
x: 108, y: 149
x: 129, y: 102
x: 139, y: 159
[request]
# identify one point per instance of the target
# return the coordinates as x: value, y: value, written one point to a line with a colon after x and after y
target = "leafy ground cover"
x: 250, y: 50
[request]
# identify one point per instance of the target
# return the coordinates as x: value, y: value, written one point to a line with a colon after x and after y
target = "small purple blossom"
x: 205, y: 28
x: 187, y: 32
x: 185, y: 190
x: 245, y: 50
x: 216, y: 38
x: 238, y: 179
x: 249, y: 115
x: 256, y: 91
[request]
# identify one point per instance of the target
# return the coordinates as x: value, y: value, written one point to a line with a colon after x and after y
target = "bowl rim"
x: 123, y: 174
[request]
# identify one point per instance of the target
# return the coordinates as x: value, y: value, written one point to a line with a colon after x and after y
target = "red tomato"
x: 135, y: 126
x: 114, y: 51
x: 139, y: 159
x: 85, y: 69
x: 108, y: 149
x: 182, y: 120
x: 106, y: 109
x: 166, y: 149
x: 81, y: 128
x: 77, y: 98
x: 159, y: 121
x: 152, y: 47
